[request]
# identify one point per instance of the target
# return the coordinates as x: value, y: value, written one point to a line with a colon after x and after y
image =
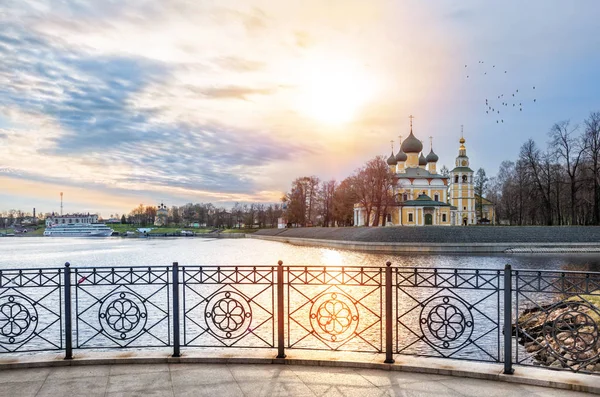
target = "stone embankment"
x: 459, y: 239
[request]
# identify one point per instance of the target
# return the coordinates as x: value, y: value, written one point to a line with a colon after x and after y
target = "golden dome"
x: 462, y: 140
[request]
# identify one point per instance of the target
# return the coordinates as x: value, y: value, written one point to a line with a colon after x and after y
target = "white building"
x: 71, y: 219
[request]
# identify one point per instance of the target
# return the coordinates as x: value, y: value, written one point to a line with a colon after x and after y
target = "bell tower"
x: 461, y: 190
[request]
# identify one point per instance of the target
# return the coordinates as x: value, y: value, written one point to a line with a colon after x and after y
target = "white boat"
x: 79, y: 230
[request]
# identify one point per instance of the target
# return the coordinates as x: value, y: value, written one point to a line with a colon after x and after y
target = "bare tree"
x: 592, y: 153
x: 481, y: 181
x: 374, y: 184
x: 570, y: 149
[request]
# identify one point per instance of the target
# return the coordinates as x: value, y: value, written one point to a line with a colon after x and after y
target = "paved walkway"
x: 223, y: 380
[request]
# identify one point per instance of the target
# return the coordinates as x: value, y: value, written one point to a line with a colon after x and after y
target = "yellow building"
x: 462, y: 191
x: 422, y: 195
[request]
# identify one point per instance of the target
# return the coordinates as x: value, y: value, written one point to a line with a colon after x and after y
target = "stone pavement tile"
x: 263, y: 372
x: 479, y: 387
x: 331, y: 376
x: 209, y: 390
x: 139, y: 382
x: 123, y: 369
x: 346, y: 391
x: 202, y: 374
x: 425, y: 387
x: 78, y: 371
x: 546, y: 391
x: 23, y: 375
x: 391, y: 378
x: 269, y: 380
x: 142, y: 393
x: 275, y: 387
x: 84, y: 386
x: 397, y: 391
x: 20, y: 389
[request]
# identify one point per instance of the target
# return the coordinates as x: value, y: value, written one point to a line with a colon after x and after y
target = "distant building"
x: 71, y: 218
x: 162, y: 215
x: 112, y: 221
x: 488, y: 213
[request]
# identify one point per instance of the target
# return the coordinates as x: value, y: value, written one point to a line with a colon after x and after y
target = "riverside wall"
x: 474, y: 239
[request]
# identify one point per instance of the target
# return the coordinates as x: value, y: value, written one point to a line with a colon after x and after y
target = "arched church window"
x: 456, y: 179
x: 464, y: 179
x: 437, y: 197
x: 405, y: 197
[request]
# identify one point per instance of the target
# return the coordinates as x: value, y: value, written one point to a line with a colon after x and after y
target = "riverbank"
x: 476, y: 239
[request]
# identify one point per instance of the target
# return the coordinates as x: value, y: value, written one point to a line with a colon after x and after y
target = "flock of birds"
x: 501, y: 105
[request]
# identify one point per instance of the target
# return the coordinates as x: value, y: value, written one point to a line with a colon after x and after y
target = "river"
x: 28, y: 252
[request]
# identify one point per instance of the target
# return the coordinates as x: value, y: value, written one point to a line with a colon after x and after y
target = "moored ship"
x: 78, y: 230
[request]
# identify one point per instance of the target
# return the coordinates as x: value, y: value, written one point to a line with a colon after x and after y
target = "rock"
x: 556, y: 364
x: 590, y: 367
x: 533, y: 348
x: 597, y: 368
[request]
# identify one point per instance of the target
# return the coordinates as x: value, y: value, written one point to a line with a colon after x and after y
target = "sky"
x: 146, y: 101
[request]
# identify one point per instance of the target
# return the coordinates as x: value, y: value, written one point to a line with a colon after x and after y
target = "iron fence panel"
x: 557, y: 316
x: 226, y: 306
x: 335, y: 308
x: 31, y: 310
x: 450, y: 313
x: 122, y: 307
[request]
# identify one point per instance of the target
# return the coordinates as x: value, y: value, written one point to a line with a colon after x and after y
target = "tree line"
x: 554, y: 184
x: 313, y: 202
x: 209, y: 215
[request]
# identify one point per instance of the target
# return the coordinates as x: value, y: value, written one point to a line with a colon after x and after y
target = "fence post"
x: 280, y: 312
x: 68, y: 323
x: 175, y: 293
x: 389, y: 358
x: 508, y: 369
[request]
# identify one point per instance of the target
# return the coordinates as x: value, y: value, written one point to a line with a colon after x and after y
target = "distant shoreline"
x: 484, y: 239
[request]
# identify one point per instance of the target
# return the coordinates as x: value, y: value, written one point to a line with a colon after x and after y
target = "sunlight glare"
x: 334, y: 92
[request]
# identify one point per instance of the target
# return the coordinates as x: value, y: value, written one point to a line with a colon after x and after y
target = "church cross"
x: 431, y: 142
x: 411, y: 117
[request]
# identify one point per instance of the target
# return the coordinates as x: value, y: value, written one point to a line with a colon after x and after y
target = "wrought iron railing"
x: 543, y: 318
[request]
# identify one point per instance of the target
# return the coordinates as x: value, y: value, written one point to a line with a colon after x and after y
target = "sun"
x: 333, y: 92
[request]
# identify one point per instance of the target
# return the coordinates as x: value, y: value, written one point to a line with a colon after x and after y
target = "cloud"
x: 238, y: 64
x: 70, y: 114
x: 231, y: 92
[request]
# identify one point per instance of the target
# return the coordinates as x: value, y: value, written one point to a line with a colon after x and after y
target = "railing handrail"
x: 516, y: 271
x: 179, y: 303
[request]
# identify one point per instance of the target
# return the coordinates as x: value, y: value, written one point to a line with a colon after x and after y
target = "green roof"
x: 424, y: 201
x: 462, y: 169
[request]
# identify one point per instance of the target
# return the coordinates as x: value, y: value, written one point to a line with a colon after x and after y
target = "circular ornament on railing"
x: 446, y: 322
x: 570, y: 329
x: 228, y: 315
x: 123, y: 315
x: 18, y: 319
x: 334, y: 316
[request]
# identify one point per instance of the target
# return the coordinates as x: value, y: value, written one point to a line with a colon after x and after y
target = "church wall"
x: 395, y: 216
